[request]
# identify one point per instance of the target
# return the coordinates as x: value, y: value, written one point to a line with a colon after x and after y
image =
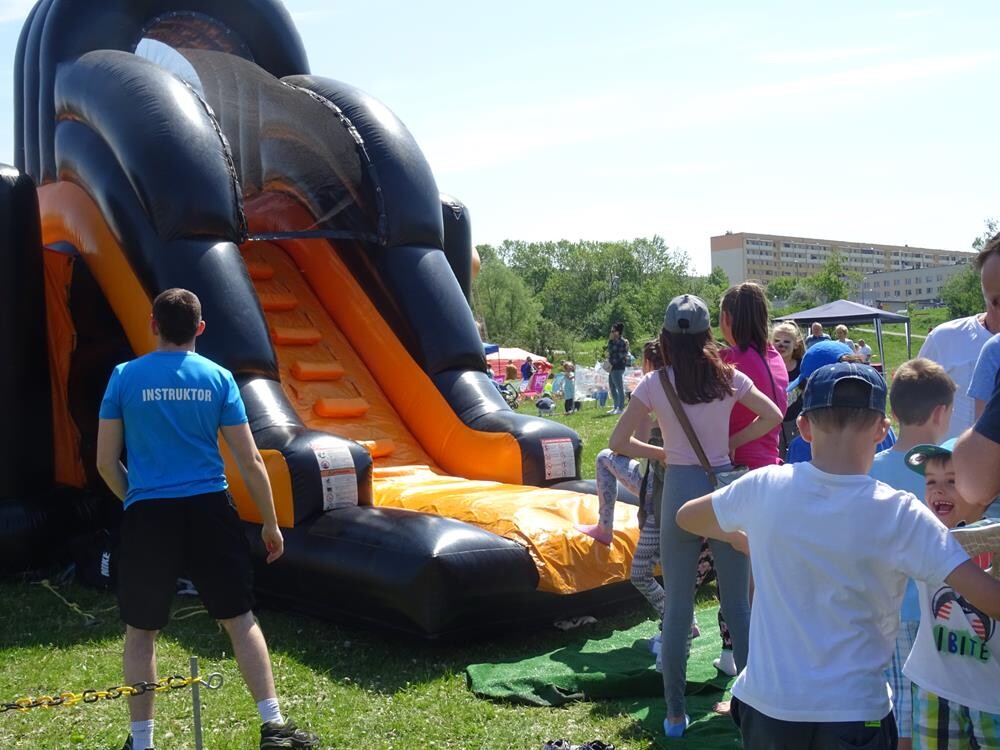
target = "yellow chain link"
x: 174, y: 682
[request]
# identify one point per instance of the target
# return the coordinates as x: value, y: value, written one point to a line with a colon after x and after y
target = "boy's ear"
x: 805, y: 427
x: 883, y: 429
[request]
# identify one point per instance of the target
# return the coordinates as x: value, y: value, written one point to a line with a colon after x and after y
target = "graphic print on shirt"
x: 953, y: 619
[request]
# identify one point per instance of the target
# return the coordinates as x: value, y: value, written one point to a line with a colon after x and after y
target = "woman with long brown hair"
x: 707, y: 388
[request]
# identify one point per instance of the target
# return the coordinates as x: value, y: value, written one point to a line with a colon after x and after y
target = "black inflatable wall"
x: 62, y: 30
x: 26, y: 426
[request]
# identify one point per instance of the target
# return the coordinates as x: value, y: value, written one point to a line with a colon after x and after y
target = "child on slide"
x: 613, y: 468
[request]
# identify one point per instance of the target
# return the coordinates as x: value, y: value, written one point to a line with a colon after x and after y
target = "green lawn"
x: 358, y: 689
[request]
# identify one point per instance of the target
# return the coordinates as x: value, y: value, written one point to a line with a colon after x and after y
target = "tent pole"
x: 909, y: 345
x: 881, y: 348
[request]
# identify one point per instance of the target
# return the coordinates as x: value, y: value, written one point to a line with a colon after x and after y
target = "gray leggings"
x: 679, y: 552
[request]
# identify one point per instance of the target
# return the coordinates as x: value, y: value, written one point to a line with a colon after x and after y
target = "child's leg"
x: 647, y: 552
x: 937, y: 723
x: 611, y: 469
x: 985, y: 729
x: 733, y: 569
x: 569, y: 405
x: 679, y: 553
x: 902, y: 691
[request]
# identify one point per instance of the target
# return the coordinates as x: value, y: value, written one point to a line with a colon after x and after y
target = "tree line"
x: 550, y: 296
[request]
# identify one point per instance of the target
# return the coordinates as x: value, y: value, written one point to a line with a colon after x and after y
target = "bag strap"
x: 767, y: 368
x: 682, y: 417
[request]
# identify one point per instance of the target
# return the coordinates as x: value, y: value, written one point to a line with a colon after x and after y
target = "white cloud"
x: 14, y: 10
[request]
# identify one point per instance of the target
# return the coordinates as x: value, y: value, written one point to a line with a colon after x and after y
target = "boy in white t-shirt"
x: 832, y: 549
x: 954, y: 664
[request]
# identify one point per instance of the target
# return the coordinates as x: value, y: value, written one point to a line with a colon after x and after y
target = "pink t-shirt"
x: 764, y: 450
x: 710, y: 421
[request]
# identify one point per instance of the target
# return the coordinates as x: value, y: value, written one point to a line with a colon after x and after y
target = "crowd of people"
x: 854, y: 615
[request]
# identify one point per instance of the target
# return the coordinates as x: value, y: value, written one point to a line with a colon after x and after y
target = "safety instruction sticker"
x: 560, y: 462
x: 336, y: 470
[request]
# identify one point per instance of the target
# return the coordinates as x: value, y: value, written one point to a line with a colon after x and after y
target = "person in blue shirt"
x: 820, y: 354
x: 921, y: 397
x: 166, y: 410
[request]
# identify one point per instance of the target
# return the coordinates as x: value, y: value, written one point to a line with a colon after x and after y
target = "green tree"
x: 781, y: 288
x: 991, y: 231
x: 503, y: 301
x: 833, y: 281
x: 962, y: 293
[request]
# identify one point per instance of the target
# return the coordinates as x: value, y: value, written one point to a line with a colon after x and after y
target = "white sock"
x: 726, y: 662
x: 269, y: 711
x: 142, y: 734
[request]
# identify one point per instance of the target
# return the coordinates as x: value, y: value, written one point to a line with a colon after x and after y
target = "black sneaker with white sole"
x: 287, y: 735
x: 128, y: 744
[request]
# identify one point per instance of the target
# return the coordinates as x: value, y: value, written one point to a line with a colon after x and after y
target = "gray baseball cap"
x: 687, y: 314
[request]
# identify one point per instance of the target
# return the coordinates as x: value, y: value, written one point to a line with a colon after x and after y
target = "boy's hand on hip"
x: 274, y: 542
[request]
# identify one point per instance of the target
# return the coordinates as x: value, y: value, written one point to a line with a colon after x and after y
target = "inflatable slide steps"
x: 333, y: 391
x: 325, y: 380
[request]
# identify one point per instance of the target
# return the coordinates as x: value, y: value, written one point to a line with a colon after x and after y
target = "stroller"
x: 509, y: 393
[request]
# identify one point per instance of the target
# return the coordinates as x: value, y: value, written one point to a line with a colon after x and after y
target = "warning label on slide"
x: 336, y: 469
x: 559, y: 460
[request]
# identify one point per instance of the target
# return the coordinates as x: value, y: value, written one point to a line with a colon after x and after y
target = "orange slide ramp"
x: 396, y: 415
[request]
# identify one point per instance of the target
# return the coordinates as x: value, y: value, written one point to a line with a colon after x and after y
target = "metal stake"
x: 196, y: 702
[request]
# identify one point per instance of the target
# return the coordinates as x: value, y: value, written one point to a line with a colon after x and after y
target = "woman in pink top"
x: 708, y: 389
x: 743, y: 320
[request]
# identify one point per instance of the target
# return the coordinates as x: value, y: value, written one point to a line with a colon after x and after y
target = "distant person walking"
x: 166, y: 409
x: 618, y: 355
x: 816, y: 335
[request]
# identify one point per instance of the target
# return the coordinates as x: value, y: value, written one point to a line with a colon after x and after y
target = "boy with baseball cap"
x: 832, y: 549
x: 953, y: 664
x: 817, y: 356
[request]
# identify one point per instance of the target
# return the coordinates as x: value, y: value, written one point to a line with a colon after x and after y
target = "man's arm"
x: 698, y: 517
x: 976, y: 460
x: 110, y: 438
x: 240, y: 441
x: 977, y: 587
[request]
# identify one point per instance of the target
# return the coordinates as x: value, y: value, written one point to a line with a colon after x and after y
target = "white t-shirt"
x: 710, y: 421
x: 866, y: 352
x: 830, y: 556
x: 956, y: 654
x: 955, y: 346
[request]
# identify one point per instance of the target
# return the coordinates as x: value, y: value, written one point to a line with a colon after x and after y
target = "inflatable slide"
x: 187, y: 145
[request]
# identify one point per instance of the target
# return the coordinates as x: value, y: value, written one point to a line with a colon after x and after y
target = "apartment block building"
x: 762, y: 257
x: 918, y: 286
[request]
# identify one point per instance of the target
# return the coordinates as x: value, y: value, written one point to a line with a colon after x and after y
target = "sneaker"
x: 656, y: 643
x: 128, y: 744
x: 287, y: 735
x: 726, y: 663
x: 676, y: 730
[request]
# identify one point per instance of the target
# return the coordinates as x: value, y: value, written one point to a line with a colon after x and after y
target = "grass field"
x: 358, y: 689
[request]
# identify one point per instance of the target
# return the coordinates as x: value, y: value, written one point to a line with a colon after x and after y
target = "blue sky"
x: 852, y: 120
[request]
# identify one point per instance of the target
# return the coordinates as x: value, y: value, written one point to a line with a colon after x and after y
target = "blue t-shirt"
x: 172, y: 405
x: 984, y: 378
x: 800, y: 451
x: 890, y: 468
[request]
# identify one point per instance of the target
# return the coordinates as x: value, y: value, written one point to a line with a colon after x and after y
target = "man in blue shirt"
x: 166, y: 409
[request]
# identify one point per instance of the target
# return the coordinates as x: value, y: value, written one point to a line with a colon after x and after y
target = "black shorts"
x: 200, y: 537
x: 761, y: 732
